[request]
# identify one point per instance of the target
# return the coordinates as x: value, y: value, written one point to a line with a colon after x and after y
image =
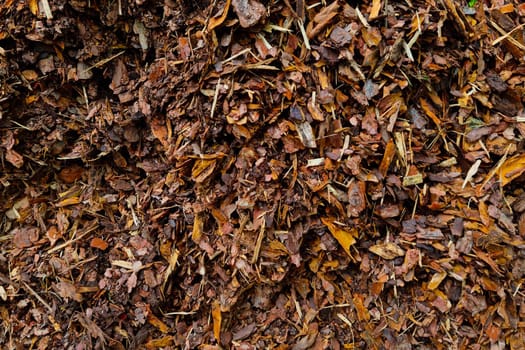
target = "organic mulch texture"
x: 262, y: 174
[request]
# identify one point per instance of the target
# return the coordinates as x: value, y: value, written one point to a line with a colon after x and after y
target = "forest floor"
x: 249, y: 174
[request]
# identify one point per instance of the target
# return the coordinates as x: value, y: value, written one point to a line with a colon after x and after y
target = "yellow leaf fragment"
x: 511, y: 169
x: 202, y: 169
x: 156, y: 322
x: 362, y: 311
x: 217, y: 319
x: 197, y: 228
x: 436, y: 280
x: 345, y: 237
x: 217, y: 20
x: 387, y: 250
x: 68, y: 201
x: 160, y: 342
x: 374, y: 12
x: 33, y: 7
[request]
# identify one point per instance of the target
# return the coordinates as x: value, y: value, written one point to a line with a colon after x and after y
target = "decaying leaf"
x: 345, y: 236
x: 67, y: 290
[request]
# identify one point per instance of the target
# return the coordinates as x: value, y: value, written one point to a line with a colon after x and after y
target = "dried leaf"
x: 387, y: 250
x: 388, y: 157
x: 156, y: 322
x: 345, y: 237
x: 217, y: 319
x: 217, y: 20
x: 321, y: 20
x: 362, y: 312
x: 160, y: 342
x: 374, y: 11
x: 33, y: 7
x: 68, y: 201
x: 197, y: 228
x: 71, y: 174
x: 159, y: 130
x: 511, y: 169
x: 436, y: 280
x: 67, y: 290
x: 202, y: 169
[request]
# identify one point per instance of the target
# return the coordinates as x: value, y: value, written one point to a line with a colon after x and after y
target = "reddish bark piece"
x: 356, y: 198
x: 99, y: 243
x: 71, y: 174
x: 24, y: 237
x: 14, y: 158
x: 249, y: 12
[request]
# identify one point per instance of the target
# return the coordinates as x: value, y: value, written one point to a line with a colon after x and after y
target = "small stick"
x: 39, y: 298
x: 215, y: 97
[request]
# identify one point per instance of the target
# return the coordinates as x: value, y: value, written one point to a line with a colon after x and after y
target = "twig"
x: 362, y: 18
x: 215, y: 97
x: 303, y: 33
x: 258, y: 244
x: 38, y: 297
x: 503, y: 37
x: 71, y: 241
x: 47, y: 9
x: 507, y: 35
x: 240, y: 53
x: 104, y: 61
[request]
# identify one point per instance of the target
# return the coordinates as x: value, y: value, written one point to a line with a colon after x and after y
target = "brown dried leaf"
x: 160, y: 131
x: 322, y: 19
x: 53, y: 234
x: 356, y: 198
x: 67, y: 290
x: 71, y: 174
x: 388, y: 157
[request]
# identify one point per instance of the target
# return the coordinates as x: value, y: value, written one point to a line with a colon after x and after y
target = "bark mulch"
x: 255, y: 174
